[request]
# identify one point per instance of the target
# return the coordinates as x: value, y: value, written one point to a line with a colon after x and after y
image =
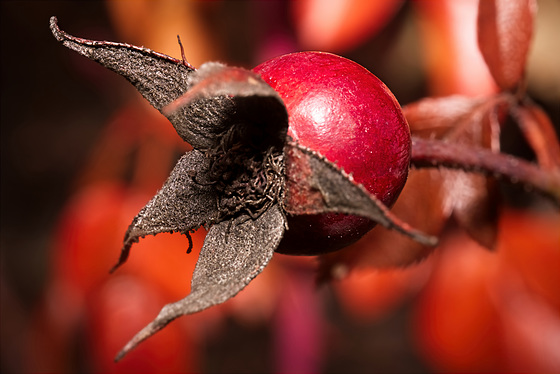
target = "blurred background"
x: 81, y: 153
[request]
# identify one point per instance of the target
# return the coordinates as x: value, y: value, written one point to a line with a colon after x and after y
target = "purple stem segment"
x: 436, y: 153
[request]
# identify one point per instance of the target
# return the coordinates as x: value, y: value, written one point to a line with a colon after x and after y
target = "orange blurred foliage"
x: 342, y: 25
x: 497, y: 312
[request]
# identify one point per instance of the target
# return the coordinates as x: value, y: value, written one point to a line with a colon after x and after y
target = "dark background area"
x: 51, y: 113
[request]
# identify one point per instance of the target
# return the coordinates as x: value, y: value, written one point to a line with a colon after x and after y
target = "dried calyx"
x: 244, y: 137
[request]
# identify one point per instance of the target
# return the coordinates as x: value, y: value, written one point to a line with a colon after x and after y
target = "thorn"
x: 183, y: 59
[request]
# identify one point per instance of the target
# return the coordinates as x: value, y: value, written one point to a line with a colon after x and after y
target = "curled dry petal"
x: 221, y: 98
x: 505, y: 28
x: 234, y: 252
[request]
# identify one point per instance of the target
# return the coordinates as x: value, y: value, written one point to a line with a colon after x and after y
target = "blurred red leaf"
x: 470, y: 198
x: 505, y: 28
x: 433, y: 117
x: 531, y: 346
x: 475, y: 201
x: 341, y: 24
x: 367, y: 295
x: 453, y: 62
x: 531, y: 244
x: 539, y: 132
x: 531, y: 338
x: 456, y: 322
x: 115, y: 312
x: 495, y: 311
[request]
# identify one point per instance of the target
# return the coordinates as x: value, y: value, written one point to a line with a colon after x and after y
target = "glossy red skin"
x: 339, y: 109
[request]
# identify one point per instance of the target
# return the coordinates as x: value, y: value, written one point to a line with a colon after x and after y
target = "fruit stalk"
x: 437, y: 153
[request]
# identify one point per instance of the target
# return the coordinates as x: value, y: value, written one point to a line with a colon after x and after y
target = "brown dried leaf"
x: 505, y: 28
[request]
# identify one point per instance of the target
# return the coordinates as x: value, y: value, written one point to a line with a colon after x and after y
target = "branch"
x: 435, y: 153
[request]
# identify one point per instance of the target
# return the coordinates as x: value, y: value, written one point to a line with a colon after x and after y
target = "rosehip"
x: 334, y: 108
x: 342, y: 111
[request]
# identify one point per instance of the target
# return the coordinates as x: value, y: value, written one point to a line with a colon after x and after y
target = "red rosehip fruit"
x: 339, y: 109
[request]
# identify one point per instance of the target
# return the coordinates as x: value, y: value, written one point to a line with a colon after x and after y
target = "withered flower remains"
x: 236, y: 180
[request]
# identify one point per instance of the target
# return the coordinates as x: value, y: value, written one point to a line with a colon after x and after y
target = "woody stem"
x: 438, y: 153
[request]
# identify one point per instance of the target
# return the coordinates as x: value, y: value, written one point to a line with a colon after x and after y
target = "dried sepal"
x: 186, y: 202
x: 234, y: 252
x: 215, y: 79
x: 315, y: 185
x: 158, y: 77
x: 420, y: 204
x: 505, y: 28
x: 222, y: 99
